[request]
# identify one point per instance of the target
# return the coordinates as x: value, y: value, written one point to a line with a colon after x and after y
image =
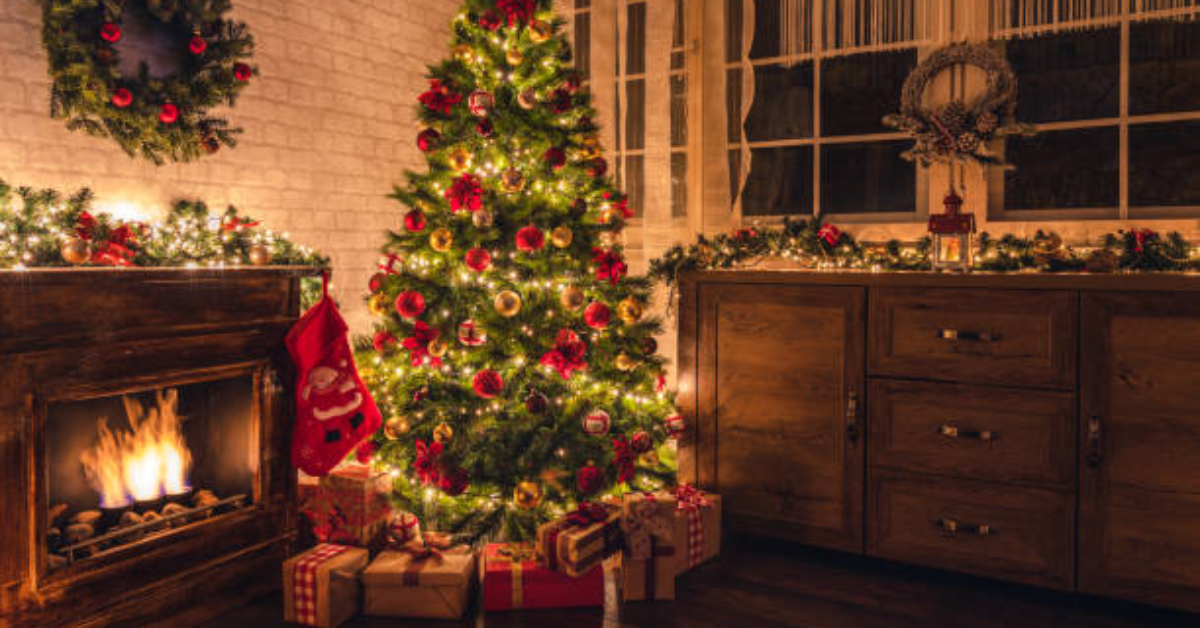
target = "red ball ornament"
x: 376, y: 282
x: 597, y: 423
x: 598, y: 169
x: 649, y: 346
x: 242, y: 72
x: 488, y: 384
x: 590, y: 479
x: 530, y: 239
x: 485, y: 128
x: 555, y: 157
x: 168, y: 114
x: 197, y: 45
x: 414, y: 221
x: 480, y: 103
x: 597, y: 315
x: 478, y: 259
x: 122, y: 98
x: 410, y: 304
x: 490, y: 20
x: 641, y: 442
x: 454, y: 481
x: 110, y: 32
x: 675, y: 425
x: 384, y: 341
x: 428, y: 139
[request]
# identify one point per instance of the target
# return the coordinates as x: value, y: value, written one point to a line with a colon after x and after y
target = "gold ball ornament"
x: 379, y: 305
x: 648, y: 459
x: 630, y: 310
x: 460, y: 160
x: 438, y: 348
x: 75, y: 251
x: 395, y: 428
x: 514, y: 56
x: 572, y: 298
x: 513, y: 180
x: 443, y: 433
x: 464, y: 53
x: 610, y: 238
x: 540, y: 31
x: 508, y: 303
x: 527, y: 99
x: 590, y: 147
x: 613, y: 217
x: 625, y: 363
x: 260, y: 254
x: 528, y: 495
x: 441, y: 240
x: 562, y: 236
x: 482, y: 218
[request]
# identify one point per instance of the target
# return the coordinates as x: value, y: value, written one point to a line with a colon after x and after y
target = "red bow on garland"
x: 426, y: 463
x: 609, y: 266
x: 745, y: 234
x: 567, y: 356
x: 466, y: 193
x: 830, y: 234
x: 586, y: 514
x: 418, y: 345
x: 439, y: 97
x: 1140, y: 237
x: 623, y: 460
x: 517, y: 10
x: 113, y: 251
x: 236, y: 224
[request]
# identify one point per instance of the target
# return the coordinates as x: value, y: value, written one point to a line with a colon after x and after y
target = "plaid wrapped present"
x: 578, y: 542
x: 320, y: 586
x: 697, y: 526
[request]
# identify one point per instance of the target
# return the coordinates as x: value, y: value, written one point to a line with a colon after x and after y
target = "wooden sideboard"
x: 1043, y: 429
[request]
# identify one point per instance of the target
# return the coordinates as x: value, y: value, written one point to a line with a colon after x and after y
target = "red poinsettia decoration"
x: 619, y: 203
x: 830, y: 234
x: 384, y: 341
x: 418, y: 345
x: 567, y: 356
x: 466, y: 193
x: 426, y: 462
x: 440, y: 97
x: 517, y: 11
x: 490, y: 20
x: 609, y: 265
x: 746, y: 234
x: 622, y: 460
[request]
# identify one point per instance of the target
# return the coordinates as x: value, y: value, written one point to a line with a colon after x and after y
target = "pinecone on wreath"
x: 987, y: 123
x: 968, y: 142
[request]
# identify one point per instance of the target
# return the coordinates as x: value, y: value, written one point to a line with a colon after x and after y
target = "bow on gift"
x: 517, y: 553
x: 418, y: 345
x: 689, y: 497
x: 587, y: 513
x: 643, y: 523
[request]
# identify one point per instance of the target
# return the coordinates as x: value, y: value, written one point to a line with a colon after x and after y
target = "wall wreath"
x: 156, y: 115
x: 959, y: 130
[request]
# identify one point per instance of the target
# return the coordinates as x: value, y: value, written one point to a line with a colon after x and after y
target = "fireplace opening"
x: 131, y: 467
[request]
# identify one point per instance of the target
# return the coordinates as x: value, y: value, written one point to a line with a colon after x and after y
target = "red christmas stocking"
x: 334, y: 410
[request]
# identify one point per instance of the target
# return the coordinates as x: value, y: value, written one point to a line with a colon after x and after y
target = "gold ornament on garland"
x: 460, y: 160
x: 572, y: 298
x: 562, y: 236
x: 260, y: 254
x: 539, y: 31
x: 630, y: 310
x: 75, y: 251
x: 443, y: 433
x: 508, y: 303
x: 395, y: 428
x: 441, y: 240
x: 528, y: 495
x: 378, y: 305
x: 514, y: 56
x: 625, y: 363
x: 512, y: 180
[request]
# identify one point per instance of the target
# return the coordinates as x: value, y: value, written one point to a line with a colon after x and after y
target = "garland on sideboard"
x: 815, y: 244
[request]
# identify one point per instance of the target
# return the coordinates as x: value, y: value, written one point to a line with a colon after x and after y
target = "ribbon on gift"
x: 419, y: 555
x: 403, y: 528
x: 656, y: 551
x: 515, y: 555
x: 690, y: 500
x: 643, y: 523
x: 587, y: 514
x: 304, y: 581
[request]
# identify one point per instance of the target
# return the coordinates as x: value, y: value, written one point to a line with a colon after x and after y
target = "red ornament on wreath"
x: 242, y: 72
x: 590, y: 479
x: 555, y: 157
x: 168, y: 114
x: 410, y: 304
x: 480, y: 103
x: 414, y: 221
x: 197, y: 45
x: 428, y: 139
x: 488, y: 384
x: 110, y: 32
x: 530, y: 239
x: 478, y: 259
x: 597, y: 315
x: 122, y: 98
x: 597, y: 423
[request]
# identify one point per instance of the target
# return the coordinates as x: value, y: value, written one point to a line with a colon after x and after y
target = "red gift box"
x: 514, y: 579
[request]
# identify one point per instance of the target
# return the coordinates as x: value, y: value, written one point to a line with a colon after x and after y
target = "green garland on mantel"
x: 814, y: 244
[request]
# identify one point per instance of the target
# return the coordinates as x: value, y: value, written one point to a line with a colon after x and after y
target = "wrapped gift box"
x: 651, y: 557
x: 320, y: 586
x: 349, y: 506
x: 697, y: 526
x: 578, y: 542
x: 514, y: 579
x: 420, y: 581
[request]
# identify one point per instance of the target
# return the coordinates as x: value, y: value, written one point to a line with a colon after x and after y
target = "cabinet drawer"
x: 1019, y: 534
x: 1014, y: 337
x: 974, y: 432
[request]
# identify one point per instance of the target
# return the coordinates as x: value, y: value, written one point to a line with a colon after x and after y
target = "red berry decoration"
x: 488, y: 384
x: 168, y: 114
x: 376, y: 282
x: 454, y: 481
x: 197, y: 45
x: 410, y: 304
x: 641, y: 442
x: 242, y: 72
x: 649, y: 346
x: 598, y: 169
x: 414, y: 221
x: 122, y: 98
x: 428, y: 139
x: 555, y: 157
x: 590, y: 479
x: 110, y: 32
x: 530, y: 239
x: 478, y: 259
x: 597, y: 315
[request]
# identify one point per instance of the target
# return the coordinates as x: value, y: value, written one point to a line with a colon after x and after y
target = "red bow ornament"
x: 830, y: 234
x: 623, y: 460
x: 567, y: 356
x: 418, y: 345
x: 439, y: 97
x: 466, y: 193
x: 426, y: 463
x: 609, y: 266
x: 1140, y: 237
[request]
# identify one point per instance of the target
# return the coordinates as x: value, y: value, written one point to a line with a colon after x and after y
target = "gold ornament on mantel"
x: 512, y: 180
x: 441, y: 240
x: 395, y: 427
x: 75, y: 251
x: 443, y: 433
x: 460, y: 160
x: 508, y: 303
x: 528, y: 495
x: 572, y: 298
x: 514, y: 56
x: 260, y: 254
x: 539, y: 31
x: 630, y: 310
x: 562, y: 236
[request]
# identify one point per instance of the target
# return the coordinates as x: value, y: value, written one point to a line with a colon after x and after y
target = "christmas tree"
x: 513, y: 358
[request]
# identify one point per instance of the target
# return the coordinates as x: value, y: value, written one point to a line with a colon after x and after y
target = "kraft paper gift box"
x: 420, y: 580
x: 697, y: 526
x: 649, y: 564
x: 577, y: 543
x: 514, y: 579
x: 350, y: 506
x: 320, y: 586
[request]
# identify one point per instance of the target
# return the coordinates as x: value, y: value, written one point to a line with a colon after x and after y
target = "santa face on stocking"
x: 332, y: 392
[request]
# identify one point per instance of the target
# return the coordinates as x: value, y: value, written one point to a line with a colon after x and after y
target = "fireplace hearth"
x: 144, y: 437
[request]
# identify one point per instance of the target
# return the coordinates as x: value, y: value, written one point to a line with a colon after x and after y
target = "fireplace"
x: 144, y: 443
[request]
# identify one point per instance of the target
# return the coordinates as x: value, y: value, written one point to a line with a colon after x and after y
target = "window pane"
x: 583, y: 4
x: 735, y: 166
x: 1075, y: 169
x: 583, y: 42
x: 635, y: 120
x: 733, y: 105
x: 1164, y: 164
x: 858, y: 90
x: 635, y: 60
x: 867, y: 178
x: 780, y: 182
x: 1164, y: 67
x: 783, y: 103
x: 635, y: 177
x: 1069, y: 76
x: 679, y: 111
x: 733, y: 30
x: 679, y: 184
x: 766, y: 29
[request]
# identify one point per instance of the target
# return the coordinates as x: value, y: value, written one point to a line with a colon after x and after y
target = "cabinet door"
x: 780, y: 374
x: 1140, y: 447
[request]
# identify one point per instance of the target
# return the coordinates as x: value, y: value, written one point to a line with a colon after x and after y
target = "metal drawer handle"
x: 970, y: 336
x: 1095, y: 450
x: 852, y: 417
x: 954, y: 528
x: 952, y: 431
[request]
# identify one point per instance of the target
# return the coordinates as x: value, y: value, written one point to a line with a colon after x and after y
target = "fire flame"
x: 147, y: 462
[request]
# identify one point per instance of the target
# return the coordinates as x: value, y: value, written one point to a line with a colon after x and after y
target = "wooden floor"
x: 759, y: 585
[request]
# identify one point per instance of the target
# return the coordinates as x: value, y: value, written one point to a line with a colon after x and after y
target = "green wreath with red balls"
x: 157, y: 118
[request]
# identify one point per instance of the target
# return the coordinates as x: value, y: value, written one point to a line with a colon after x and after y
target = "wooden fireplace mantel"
x: 75, y: 333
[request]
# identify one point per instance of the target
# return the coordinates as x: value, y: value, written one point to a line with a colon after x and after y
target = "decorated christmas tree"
x: 513, y: 358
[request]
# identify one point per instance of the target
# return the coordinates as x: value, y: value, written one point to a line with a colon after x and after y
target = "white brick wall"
x: 329, y: 126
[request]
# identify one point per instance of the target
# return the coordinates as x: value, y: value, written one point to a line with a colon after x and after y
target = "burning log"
x: 90, y: 517
x: 78, y: 533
